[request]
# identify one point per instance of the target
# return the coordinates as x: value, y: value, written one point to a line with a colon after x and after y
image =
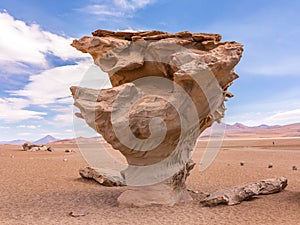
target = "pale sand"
x: 42, y: 188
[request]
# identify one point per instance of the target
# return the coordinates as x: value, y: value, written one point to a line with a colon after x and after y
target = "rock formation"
x: 167, y: 89
x: 108, y: 178
x: 33, y: 147
x: 237, y: 194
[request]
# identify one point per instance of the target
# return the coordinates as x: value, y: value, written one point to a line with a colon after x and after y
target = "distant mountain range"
x: 240, y: 126
x: 237, y: 130
x: 45, y: 140
x: 14, y: 142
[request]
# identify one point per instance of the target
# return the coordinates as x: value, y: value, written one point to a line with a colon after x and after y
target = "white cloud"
x: 22, y: 44
x: 52, y: 86
x: 24, y: 134
x: 25, y: 48
x: 69, y: 130
x: 132, y: 4
x: 48, y: 87
x: 64, y: 119
x: 15, y: 103
x: 28, y: 126
x: 50, y: 90
x: 103, y: 11
x: 292, y: 116
x: 65, y: 100
x: 64, y: 116
x: 116, y: 8
x: 268, y: 118
x: 12, y: 110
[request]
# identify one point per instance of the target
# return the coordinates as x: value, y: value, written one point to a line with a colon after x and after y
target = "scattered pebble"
x: 12, y: 156
x: 294, y: 168
x: 193, y: 191
x: 242, y: 163
x: 69, y: 150
x: 78, y: 213
x: 270, y: 165
x: 65, y: 160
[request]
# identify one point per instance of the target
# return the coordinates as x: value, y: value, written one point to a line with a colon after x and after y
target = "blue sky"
x: 38, y: 65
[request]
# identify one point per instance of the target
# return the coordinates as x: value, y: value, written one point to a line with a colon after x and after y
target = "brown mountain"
x: 262, y: 131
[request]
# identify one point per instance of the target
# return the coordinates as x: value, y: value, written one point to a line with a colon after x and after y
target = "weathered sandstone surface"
x: 237, y: 194
x: 167, y: 89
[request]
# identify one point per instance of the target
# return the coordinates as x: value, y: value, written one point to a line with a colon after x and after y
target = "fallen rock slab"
x: 34, y: 147
x: 105, y: 177
x: 237, y: 194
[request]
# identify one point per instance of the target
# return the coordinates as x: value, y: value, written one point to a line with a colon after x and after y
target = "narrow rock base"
x: 159, y: 194
x: 168, y: 193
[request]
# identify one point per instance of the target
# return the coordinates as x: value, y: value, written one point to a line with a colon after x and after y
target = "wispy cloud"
x: 104, y: 10
x: 22, y: 44
x: 43, y: 104
x: 52, y: 86
x: 28, y: 126
x: 292, y: 116
x: 50, y: 92
x: 64, y: 116
x: 49, y: 87
x: 13, y: 110
x: 23, y: 48
x: 283, y: 117
x: 272, y: 111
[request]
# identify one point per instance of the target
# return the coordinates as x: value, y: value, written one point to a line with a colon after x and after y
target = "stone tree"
x: 166, y: 90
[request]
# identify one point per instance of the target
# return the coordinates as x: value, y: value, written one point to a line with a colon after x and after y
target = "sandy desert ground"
x: 43, y: 188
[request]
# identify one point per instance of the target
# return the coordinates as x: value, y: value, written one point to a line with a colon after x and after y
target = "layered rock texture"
x: 167, y: 89
x: 106, y: 178
x: 237, y: 194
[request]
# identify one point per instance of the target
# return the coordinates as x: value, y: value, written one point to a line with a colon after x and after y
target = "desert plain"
x: 45, y: 187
